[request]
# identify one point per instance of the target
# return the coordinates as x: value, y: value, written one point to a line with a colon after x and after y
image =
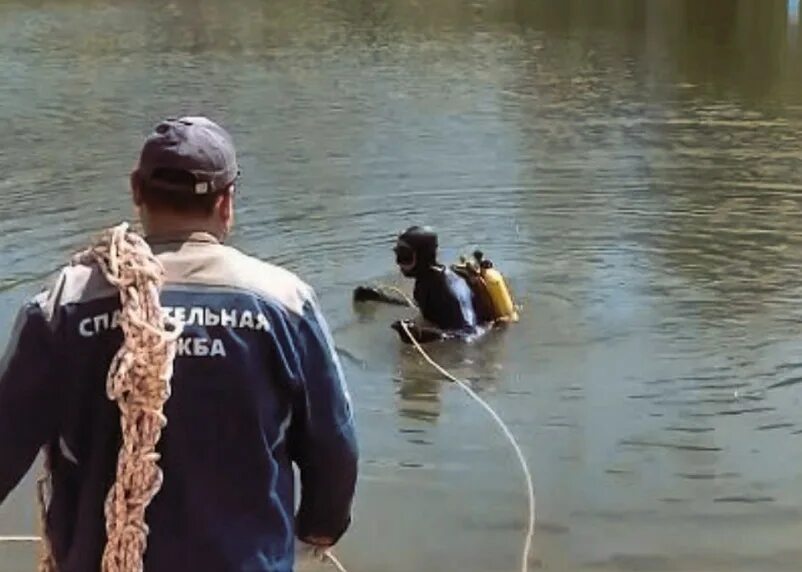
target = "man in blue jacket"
x: 257, y: 386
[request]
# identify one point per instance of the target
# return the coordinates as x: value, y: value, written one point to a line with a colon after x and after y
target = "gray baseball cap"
x: 195, y: 145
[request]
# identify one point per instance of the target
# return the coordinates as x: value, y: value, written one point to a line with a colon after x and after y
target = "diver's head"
x: 416, y: 250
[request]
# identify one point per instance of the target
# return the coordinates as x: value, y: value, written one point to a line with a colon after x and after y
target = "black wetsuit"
x: 445, y: 300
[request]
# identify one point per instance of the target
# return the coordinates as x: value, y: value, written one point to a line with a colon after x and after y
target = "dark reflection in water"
x: 632, y: 166
x: 420, y: 389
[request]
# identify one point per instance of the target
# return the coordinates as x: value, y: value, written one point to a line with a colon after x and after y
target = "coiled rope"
x: 139, y: 382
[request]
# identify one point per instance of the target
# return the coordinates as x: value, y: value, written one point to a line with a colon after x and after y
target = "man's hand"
x: 378, y: 294
x: 421, y: 334
x: 398, y: 326
x: 367, y: 293
x: 318, y: 541
x: 316, y: 546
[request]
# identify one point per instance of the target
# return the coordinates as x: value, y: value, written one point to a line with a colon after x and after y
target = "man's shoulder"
x: 266, y: 280
x: 456, y: 283
x: 71, y: 284
x: 229, y: 269
x: 448, y: 276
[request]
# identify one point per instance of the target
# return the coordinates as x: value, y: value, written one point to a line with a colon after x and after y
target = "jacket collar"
x: 197, y: 237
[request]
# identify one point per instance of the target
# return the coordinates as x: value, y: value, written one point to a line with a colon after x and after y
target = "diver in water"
x: 444, y: 298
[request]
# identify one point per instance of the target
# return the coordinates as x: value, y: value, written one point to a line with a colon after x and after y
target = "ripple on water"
x: 646, y: 207
x: 744, y: 499
x: 707, y: 476
x: 786, y: 382
x: 667, y: 445
x: 774, y: 426
x: 680, y: 429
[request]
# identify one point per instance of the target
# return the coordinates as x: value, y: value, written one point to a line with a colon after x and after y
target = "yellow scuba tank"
x: 499, y: 294
x: 470, y: 271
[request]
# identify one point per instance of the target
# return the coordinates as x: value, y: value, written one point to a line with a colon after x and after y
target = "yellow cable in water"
x: 529, y: 487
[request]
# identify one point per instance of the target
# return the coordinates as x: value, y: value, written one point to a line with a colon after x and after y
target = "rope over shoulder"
x: 139, y: 382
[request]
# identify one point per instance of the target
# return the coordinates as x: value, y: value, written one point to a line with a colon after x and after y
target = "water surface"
x: 633, y: 167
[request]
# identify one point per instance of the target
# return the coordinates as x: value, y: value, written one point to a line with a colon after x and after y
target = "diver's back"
x: 445, y: 299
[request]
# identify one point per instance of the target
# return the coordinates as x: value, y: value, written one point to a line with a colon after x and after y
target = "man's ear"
x: 225, y: 206
x: 136, y: 188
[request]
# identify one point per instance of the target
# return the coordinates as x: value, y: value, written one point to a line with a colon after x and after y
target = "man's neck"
x: 167, y: 224
x: 430, y: 269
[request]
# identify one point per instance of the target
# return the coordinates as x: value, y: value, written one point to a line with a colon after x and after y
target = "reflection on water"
x: 793, y: 12
x: 419, y: 398
x: 479, y: 363
x: 632, y: 166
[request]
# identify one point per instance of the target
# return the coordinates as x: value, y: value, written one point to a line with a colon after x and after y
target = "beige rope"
x: 47, y: 562
x: 530, y: 490
x: 329, y: 555
x: 139, y: 381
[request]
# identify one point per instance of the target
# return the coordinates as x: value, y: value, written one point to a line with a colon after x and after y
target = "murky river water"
x: 634, y: 167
